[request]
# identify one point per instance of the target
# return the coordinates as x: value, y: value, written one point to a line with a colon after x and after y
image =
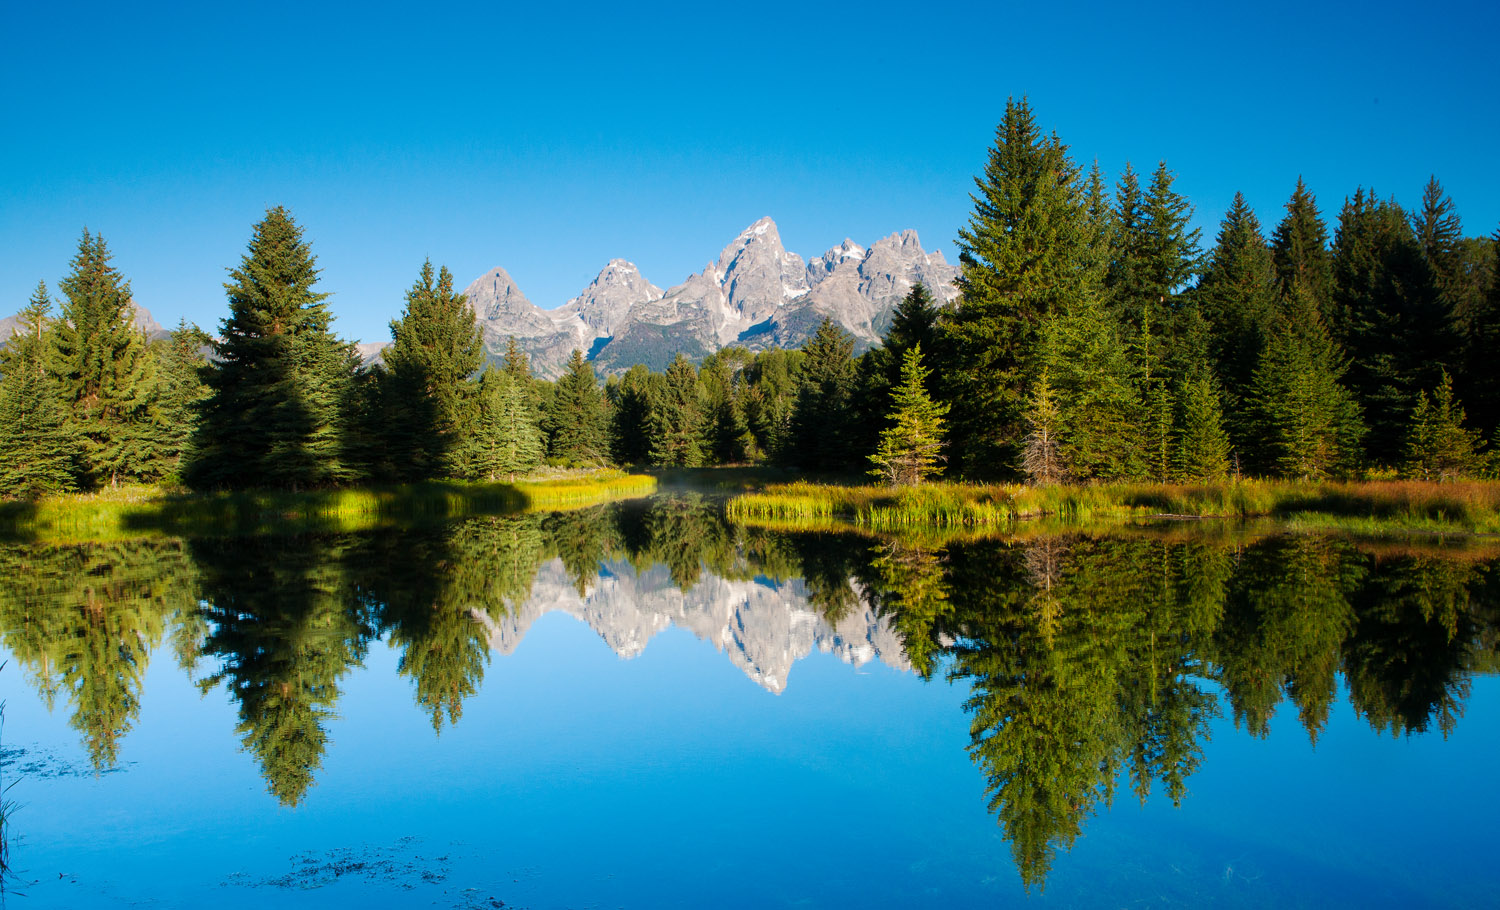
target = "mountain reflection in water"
x: 1090, y: 659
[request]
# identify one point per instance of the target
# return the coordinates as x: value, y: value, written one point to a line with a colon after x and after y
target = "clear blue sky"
x: 551, y: 138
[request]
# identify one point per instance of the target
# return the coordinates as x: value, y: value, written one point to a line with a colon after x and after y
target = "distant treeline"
x: 1093, y: 340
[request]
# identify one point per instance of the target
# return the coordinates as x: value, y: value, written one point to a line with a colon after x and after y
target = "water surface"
x: 644, y: 705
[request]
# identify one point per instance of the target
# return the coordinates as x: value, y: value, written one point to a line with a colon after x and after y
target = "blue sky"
x: 549, y: 140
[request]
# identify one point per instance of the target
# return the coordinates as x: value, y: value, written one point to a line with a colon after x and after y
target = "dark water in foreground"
x: 643, y: 705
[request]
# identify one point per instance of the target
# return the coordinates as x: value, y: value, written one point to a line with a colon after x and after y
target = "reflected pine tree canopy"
x: 1092, y: 661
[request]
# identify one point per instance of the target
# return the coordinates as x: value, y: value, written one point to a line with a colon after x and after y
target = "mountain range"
x: 756, y: 294
x: 763, y: 627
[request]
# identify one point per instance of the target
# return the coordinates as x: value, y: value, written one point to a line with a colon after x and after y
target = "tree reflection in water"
x: 1089, y: 658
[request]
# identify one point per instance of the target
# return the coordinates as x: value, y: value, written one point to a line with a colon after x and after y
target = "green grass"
x: 149, y: 511
x: 1373, y: 507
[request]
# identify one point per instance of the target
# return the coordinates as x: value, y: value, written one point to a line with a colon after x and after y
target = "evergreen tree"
x: 1299, y: 250
x: 280, y: 382
x: 503, y: 439
x: 1100, y: 414
x: 676, y: 422
x: 180, y: 390
x: 1390, y: 318
x: 1309, y: 424
x: 435, y: 347
x: 1438, y: 445
x: 1202, y: 451
x: 1041, y: 457
x: 773, y: 378
x: 40, y: 451
x: 1027, y: 249
x: 575, y: 417
x: 1439, y: 233
x: 822, y: 419
x: 629, y: 415
x: 1481, y: 338
x: 911, y: 448
x: 727, y: 433
x: 1236, y: 297
x: 105, y: 369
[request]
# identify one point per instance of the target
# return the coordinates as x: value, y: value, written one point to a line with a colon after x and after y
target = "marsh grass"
x: 150, y: 511
x: 1372, y: 507
x: 7, y: 809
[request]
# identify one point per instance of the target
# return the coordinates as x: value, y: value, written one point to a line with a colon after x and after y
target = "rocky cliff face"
x: 763, y: 628
x: 756, y: 294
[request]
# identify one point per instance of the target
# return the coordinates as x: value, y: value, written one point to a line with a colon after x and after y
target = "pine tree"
x: 1041, y: 457
x: 1481, y: 334
x: 40, y: 450
x: 1390, y: 318
x: 1100, y: 414
x: 676, y: 421
x: 1237, y: 296
x: 1438, y: 445
x: 629, y: 415
x: 822, y: 419
x: 280, y: 383
x: 435, y: 347
x: 1202, y: 451
x: 1028, y: 248
x: 504, y: 438
x: 104, y: 367
x: 1308, y: 422
x: 1439, y: 233
x: 1299, y: 249
x: 181, y: 391
x: 575, y: 417
x: 911, y: 448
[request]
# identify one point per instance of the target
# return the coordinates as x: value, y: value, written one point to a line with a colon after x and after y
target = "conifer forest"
x: 1097, y: 337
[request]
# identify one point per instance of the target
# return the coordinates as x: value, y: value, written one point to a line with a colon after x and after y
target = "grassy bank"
x: 145, y: 511
x: 1375, y: 507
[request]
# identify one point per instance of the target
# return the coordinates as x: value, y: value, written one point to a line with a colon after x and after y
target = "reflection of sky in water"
x: 575, y: 778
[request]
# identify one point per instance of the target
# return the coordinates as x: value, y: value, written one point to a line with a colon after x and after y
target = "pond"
x: 645, y: 705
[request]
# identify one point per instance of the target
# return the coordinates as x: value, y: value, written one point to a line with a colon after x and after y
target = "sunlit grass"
x: 1372, y: 507
x: 145, y: 511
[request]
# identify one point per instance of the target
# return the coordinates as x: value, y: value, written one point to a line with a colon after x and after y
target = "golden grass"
x: 150, y: 511
x: 1372, y: 507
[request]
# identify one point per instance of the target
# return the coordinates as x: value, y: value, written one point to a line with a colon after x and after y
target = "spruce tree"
x: 1041, y: 456
x: 105, y: 369
x: 1481, y: 339
x: 629, y: 415
x: 1438, y: 445
x: 181, y: 390
x: 435, y: 348
x: 1299, y: 249
x: 676, y: 420
x: 1027, y: 249
x: 1101, y: 418
x: 822, y: 420
x: 1390, y: 318
x: 1308, y: 423
x: 575, y: 416
x: 1236, y: 297
x: 280, y: 382
x: 503, y: 439
x: 40, y: 450
x: 1439, y: 234
x: 1202, y: 450
x: 910, y: 449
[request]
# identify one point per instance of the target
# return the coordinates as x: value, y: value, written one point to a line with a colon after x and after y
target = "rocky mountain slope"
x: 756, y: 294
x: 763, y: 628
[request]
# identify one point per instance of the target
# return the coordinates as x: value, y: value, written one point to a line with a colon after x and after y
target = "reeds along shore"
x: 144, y: 511
x: 1469, y: 507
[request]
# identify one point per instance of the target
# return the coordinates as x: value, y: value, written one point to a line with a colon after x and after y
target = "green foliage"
x: 106, y: 372
x: 1299, y: 250
x: 502, y: 437
x: 280, y: 383
x: 574, y: 417
x: 40, y: 450
x: 435, y: 347
x: 910, y: 449
x: 1202, y: 449
x: 1438, y: 445
x: 822, y: 419
x: 1099, y: 413
x: 1027, y: 251
x: 629, y: 414
x: 676, y: 418
x: 1308, y: 423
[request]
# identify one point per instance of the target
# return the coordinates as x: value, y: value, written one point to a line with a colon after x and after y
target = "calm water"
x: 643, y: 705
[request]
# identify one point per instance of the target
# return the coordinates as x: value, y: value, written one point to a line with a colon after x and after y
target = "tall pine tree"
x: 1027, y: 249
x: 40, y: 451
x: 1237, y: 296
x: 280, y: 382
x: 575, y: 416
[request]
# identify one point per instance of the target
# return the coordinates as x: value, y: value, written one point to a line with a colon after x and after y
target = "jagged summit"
x: 756, y: 293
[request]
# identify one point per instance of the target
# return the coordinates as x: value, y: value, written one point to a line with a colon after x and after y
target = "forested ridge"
x: 1095, y: 338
